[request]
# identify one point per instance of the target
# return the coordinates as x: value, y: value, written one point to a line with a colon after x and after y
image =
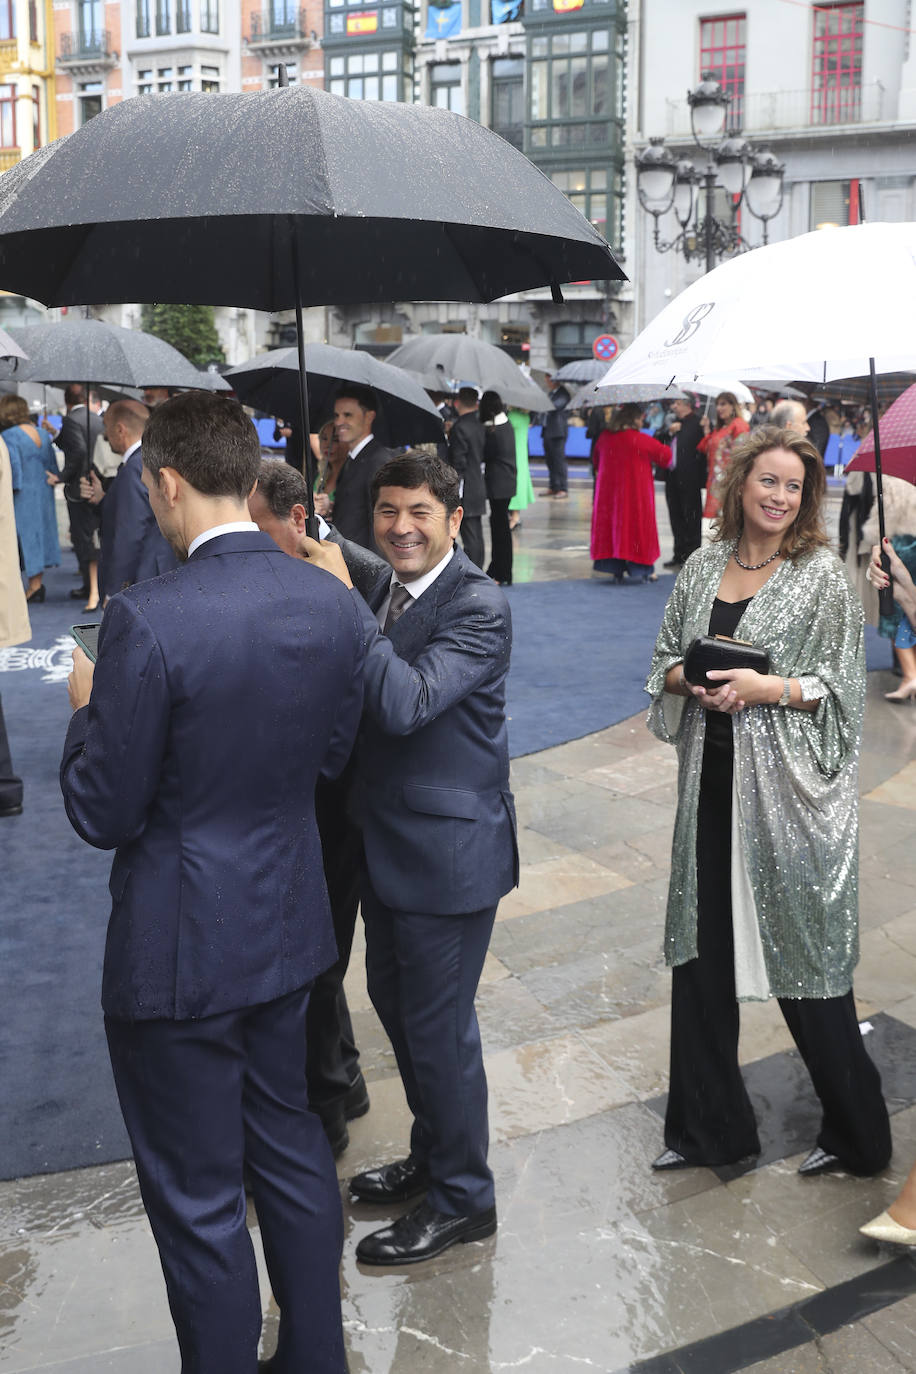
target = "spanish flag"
x: 366, y: 21
x: 561, y: 6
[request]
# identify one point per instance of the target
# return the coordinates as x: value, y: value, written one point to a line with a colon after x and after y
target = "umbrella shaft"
x: 307, y: 457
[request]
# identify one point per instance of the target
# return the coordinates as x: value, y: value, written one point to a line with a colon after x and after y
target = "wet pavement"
x: 598, y: 1264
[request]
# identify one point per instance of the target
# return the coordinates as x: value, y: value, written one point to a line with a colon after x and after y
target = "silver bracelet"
x: 786, y: 691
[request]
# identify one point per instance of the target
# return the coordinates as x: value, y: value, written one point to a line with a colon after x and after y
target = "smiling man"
x: 440, y: 850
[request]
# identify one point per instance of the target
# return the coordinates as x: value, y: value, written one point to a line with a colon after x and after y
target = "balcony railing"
x: 86, y: 46
x: 771, y: 111
x: 274, y: 25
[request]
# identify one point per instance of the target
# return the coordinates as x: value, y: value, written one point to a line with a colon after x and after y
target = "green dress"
x: 524, y: 487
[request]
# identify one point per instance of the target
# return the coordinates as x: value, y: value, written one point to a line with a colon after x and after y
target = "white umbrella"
x: 807, y: 309
x: 589, y: 395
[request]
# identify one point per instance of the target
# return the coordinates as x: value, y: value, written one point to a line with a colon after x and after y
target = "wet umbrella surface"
x: 204, y: 196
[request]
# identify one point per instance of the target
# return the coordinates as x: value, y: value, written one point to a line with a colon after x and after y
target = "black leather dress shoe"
x: 356, y: 1099
x: 670, y: 1159
x: 396, y: 1182
x: 79, y: 593
x: 819, y: 1162
x: 423, y: 1234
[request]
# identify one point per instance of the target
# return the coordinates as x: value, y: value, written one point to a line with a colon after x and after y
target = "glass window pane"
x: 578, y: 77
x: 338, y: 87
x: 559, y: 87
x: 539, y: 47
x: 599, y: 40
x: 389, y: 61
x: 560, y: 42
x: 370, y: 85
x: 578, y: 42
x: 389, y: 88
x: 336, y: 66
x: 370, y: 62
x: 538, y: 95
x: 539, y: 138
x: 599, y: 85
x: 355, y: 63
x: 355, y: 88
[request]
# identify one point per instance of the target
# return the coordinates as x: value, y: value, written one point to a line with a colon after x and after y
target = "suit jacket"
x: 212, y: 715
x: 432, y: 789
x: 133, y: 546
x: 466, y: 455
x: 499, y: 456
x: 353, y: 494
x: 690, y: 471
x: 72, y: 443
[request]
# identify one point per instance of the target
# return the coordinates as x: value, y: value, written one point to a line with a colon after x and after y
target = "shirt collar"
x: 419, y: 585
x: 358, y: 448
x: 133, y: 449
x: 234, y: 527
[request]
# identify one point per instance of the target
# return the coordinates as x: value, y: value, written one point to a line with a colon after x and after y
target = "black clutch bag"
x: 721, y: 653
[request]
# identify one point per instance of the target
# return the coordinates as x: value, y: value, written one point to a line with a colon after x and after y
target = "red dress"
x: 717, y: 446
x: 623, y: 517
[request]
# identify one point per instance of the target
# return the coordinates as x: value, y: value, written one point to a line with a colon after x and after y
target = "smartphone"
x: 87, y: 637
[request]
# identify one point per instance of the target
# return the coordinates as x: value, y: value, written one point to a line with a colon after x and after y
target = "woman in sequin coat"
x: 763, y: 900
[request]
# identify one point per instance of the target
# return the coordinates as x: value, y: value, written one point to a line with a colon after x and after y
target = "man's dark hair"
x: 282, y: 487
x: 208, y: 440
x: 75, y: 394
x: 415, y: 469
x: 363, y: 395
x: 467, y: 395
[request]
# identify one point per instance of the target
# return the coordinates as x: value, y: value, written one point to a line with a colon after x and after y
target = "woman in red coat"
x: 717, y: 446
x: 624, y: 532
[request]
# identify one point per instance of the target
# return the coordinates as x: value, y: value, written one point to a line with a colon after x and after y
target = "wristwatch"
x: 786, y: 691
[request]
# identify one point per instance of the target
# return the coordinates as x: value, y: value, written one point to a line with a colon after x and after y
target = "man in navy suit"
x: 350, y: 508
x: 133, y: 546
x: 440, y: 850
x: 222, y: 691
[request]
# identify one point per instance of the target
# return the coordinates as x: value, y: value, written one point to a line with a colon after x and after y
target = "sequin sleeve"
x: 666, y: 712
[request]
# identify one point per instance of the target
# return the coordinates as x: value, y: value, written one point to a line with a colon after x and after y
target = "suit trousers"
x: 200, y: 1099
x: 471, y: 531
x: 500, y: 568
x: 684, y: 512
x: 557, y: 466
x: 85, y: 522
x: 709, y: 1118
x: 422, y: 973
x: 10, y: 784
x: 332, y: 1059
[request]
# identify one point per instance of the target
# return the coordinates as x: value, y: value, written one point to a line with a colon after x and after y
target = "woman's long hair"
x: 627, y: 416
x: 732, y: 400
x: 807, y: 529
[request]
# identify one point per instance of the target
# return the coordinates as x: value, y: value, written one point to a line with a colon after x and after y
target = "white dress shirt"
x: 416, y: 588
x: 234, y: 527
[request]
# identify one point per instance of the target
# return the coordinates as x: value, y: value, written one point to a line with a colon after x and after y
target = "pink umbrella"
x: 898, y: 441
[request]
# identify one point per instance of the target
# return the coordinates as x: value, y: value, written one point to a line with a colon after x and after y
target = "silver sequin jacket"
x: 795, y: 786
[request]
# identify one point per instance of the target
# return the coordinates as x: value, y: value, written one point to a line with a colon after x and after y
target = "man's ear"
x: 298, y: 516
x: 171, y: 485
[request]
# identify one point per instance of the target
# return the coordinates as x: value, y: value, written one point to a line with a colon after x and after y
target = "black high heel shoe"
x: 39, y: 594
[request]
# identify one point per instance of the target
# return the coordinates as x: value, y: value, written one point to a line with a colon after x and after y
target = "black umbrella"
x: 282, y: 198
x: 270, y: 382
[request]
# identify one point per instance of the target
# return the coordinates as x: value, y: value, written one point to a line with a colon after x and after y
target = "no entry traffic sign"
x: 605, y: 348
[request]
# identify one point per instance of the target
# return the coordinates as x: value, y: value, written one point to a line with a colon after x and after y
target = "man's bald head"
x: 790, y: 415
x: 125, y: 422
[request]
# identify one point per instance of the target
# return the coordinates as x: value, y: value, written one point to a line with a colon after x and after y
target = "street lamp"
x: 750, y: 177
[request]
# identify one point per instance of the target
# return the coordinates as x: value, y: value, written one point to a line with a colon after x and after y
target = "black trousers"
x: 471, y: 532
x: 199, y: 1099
x: 685, y: 515
x: 710, y: 1119
x: 10, y: 784
x: 500, y: 568
x: 332, y: 1059
x: 557, y: 466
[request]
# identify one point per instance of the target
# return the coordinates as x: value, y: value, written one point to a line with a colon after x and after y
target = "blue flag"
x: 443, y: 21
x: 504, y: 11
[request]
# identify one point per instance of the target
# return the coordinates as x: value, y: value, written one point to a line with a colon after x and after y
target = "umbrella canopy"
x: 590, y: 395
x: 438, y: 360
x: 898, y: 441
x: 205, y: 196
x: 730, y: 321
x: 270, y: 382
x: 583, y: 370
x: 91, y: 350
x: 9, y: 347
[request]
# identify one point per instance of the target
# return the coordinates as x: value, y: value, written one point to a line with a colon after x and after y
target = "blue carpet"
x: 581, y: 651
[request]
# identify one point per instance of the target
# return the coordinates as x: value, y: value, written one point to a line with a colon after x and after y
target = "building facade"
x: 830, y: 88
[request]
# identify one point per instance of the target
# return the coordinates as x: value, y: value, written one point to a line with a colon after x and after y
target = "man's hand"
x: 52, y: 479
x: 328, y: 556
x: 322, y: 504
x: 91, y: 489
x: 79, y: 683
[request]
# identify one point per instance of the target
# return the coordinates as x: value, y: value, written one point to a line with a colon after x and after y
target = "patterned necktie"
x: 400, y: 600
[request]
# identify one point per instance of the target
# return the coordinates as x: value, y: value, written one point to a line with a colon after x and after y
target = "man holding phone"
x: 222, y: 691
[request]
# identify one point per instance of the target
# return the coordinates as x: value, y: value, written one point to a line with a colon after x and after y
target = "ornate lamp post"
x: 751, y: 177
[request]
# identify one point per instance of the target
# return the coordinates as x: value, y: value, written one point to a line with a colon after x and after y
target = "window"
x: 284, y: 17
x: 163, y: 16
x: 7, y: 20
x: 36, y: 117
x: 186, y: 78
x: 33, y: 22
x: 89, y: 100
x: 145, y: 81
x: 90, y: 26
x: 570, y: 88
x: 183, y: 16
x: 833, y: 202
x: 367, y: 76
x: 445, y: 87
x: 209, y: 78
x: 8, y: 116
x: 164, y: 82
x: 209, y: 16
x: 143, y: 19
x: 836, y: 74
x: 587, y: 189
x: 507, y: 115
x: 722, y: 52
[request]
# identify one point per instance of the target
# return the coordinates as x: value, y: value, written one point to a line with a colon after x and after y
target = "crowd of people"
x: 325, y: 721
